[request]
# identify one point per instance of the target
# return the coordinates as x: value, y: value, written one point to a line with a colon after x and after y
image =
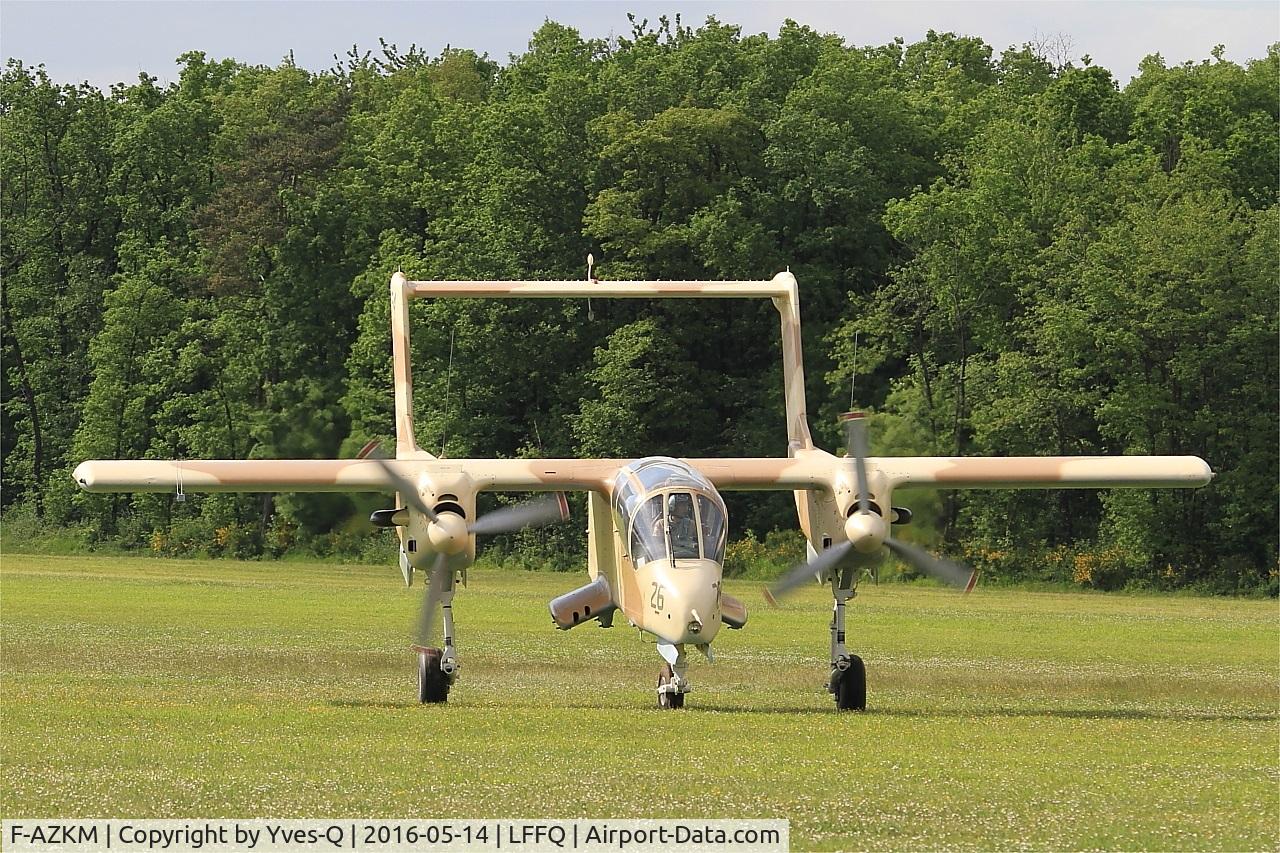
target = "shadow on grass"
x: 979, y: 713
x: 362, y: 703
x: 811, y: 711
x: 1079, y: 714
x: 489, y: 706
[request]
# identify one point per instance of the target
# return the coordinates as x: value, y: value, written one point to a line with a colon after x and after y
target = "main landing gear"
x: 433, y: 684
x: 848, y: 682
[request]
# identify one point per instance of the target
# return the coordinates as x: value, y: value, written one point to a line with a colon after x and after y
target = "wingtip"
x: 83, y: 475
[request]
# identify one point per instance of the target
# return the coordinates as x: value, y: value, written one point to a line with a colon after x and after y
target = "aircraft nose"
x: 699, y: 616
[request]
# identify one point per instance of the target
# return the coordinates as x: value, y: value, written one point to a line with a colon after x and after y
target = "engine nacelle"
x: 592, y: 601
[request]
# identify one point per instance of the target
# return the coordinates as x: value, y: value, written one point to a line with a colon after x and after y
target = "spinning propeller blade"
x: 408, y: 491
x: 372, y: 450
x: 536, y: 512
x: 855, y: 433
x: 952, y: 574
x: 815, y: 569
x: 424, y: 630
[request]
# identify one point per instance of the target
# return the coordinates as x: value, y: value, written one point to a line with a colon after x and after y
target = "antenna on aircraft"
x: 591, y: 262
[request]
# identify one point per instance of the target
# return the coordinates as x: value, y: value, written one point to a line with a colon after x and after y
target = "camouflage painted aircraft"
x: 656, y: 526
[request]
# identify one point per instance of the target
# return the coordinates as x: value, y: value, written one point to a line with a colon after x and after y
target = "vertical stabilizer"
x: 788, y: 306
x: 401, y: 370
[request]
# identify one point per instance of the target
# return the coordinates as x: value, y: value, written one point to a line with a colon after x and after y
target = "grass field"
x: 150, y: 688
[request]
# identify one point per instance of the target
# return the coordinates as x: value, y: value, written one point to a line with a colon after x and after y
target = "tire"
x: 673, y: 701
x: 851, y: 687
x: 433, y: 685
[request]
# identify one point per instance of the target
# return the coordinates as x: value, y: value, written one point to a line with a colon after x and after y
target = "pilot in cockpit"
x: 683, y: 529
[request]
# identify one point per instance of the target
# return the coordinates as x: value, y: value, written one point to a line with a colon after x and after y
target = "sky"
x: 106, y: 42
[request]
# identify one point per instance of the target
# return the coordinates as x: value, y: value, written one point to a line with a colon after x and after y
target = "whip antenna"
x: 591, y: 262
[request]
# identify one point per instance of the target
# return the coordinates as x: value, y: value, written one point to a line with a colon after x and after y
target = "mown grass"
x: 1008, y: 719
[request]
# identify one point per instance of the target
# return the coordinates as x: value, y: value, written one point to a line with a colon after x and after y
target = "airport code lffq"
x: 65, y: 835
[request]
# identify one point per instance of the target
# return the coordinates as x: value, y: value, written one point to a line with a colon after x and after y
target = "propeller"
x: 531, y: 513
x: 408, y: 491
x: 371, y: 450
x: 855, y: 446
x: 509, y: 519
x: 815, y: 569
x: 952, y: 574
x: 437, y: 582
x: 448, y: 533
x: 866, y: 530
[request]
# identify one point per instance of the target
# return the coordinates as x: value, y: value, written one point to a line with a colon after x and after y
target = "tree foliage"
x: 1033, y: 258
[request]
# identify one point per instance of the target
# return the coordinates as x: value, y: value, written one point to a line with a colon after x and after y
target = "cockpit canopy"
x: 668, y: 510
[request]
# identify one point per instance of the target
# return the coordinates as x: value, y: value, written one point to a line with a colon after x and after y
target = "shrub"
x: 750, y: 557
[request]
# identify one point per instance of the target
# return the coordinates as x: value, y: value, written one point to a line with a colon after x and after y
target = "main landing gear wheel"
x: 667, y: 699
x: 433, y: 684
x: 850, y: 686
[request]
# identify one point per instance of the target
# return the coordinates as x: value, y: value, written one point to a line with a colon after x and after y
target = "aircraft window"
x: 638, y: 552
x: 648, y: 539
x: 681, y: 526
x: 713, y: 529
x: 653, y: 476
x: 666, y: 473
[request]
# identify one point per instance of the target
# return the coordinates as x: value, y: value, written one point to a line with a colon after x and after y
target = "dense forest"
x: 999, y: 253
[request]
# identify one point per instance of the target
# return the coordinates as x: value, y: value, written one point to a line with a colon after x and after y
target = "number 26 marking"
x: 655, y: 600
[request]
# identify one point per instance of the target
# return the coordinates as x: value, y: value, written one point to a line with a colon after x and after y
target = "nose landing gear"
x: 848, y: 682
x: 672, y: 683
x: 669, y: 694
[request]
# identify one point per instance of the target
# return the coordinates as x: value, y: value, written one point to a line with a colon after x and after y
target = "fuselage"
x: 669, y: 528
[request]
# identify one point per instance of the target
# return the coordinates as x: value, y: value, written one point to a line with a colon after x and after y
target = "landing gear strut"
x: 438, y: 668
x: 848, y: 682
x: 672, y: 683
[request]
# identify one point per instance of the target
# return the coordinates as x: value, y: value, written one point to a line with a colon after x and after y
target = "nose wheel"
x: 669, y: 694
x: 433, y: 683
